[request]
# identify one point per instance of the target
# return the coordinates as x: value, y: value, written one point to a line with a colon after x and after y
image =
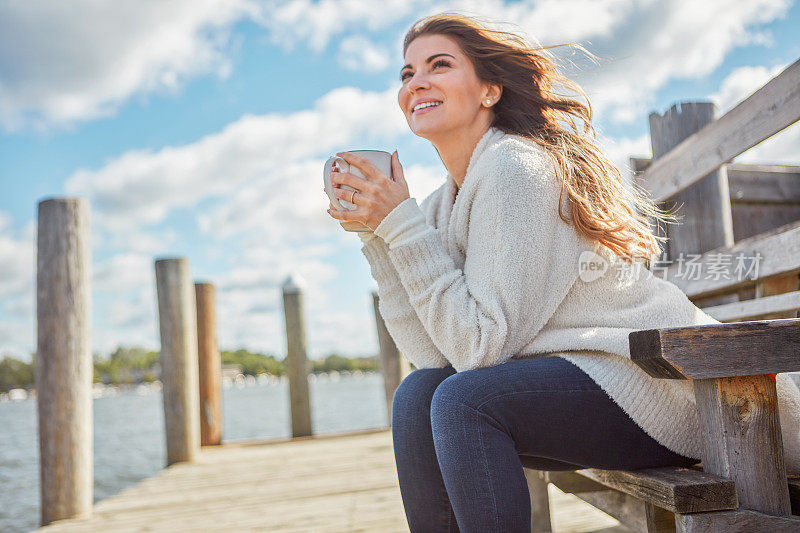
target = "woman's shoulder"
x: 514, y: 157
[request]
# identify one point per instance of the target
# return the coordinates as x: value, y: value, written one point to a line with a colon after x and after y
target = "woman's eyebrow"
x: 434, y: 56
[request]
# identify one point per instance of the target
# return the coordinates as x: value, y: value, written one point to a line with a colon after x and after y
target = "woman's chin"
x: 426, y: 131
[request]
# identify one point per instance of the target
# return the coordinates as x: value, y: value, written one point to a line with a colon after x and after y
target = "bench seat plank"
x: 680, y: 490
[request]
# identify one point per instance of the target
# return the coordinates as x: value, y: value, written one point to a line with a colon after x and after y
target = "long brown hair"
x: 603, y: 207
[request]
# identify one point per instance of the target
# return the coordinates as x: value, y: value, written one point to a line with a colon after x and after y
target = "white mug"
x: 382, y: 160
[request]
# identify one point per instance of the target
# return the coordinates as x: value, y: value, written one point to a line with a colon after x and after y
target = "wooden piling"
x: 705, y: 206
x: 179, y: 373
x: 392, y: 364
x: 706, y: 210
x: 209, y: 366
x: 297, y: 365
x: 64, y: 359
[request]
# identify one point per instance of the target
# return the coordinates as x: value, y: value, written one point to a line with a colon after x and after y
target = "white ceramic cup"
x: 382, y: 160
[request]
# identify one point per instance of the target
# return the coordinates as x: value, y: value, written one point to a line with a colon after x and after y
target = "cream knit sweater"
x: 491, y: 273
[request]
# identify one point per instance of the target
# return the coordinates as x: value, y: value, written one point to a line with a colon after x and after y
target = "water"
x: 129, y: 440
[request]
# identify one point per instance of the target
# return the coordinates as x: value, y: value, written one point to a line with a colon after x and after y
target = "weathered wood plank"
x: 718, y: 350
x: 774, y: 253
x: 742, y: 439
x: 676, y: 489
x: 778, y: 285
x: 748, y: 183
x: 756, y: 308
x: 741, y: 521
x: 767, y: 111
x: 770, y: 184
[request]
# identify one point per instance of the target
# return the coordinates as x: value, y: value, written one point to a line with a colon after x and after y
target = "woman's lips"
x: 426, y: 109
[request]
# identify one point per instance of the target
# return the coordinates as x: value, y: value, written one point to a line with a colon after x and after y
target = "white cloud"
x: 141, y: 187
x: 315, y: 24
x: 361, y: 54
x: 664, y: 41
x: 91, y: 66
x: 647, y: 43
x: 17, y: 260
x: 62, y: 63
x: 17, y: 281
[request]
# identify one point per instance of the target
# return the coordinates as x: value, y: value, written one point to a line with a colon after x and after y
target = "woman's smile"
x: 426, y: 108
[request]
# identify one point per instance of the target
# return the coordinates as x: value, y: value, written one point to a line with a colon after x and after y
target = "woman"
x: 513, y: 288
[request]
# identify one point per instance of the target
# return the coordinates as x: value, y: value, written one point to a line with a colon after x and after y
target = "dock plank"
x: 326, y: 483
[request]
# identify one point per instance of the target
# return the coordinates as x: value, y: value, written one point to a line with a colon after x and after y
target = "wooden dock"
x: 342, y: 482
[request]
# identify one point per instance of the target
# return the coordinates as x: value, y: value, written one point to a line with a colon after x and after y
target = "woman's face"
x: 437, y: 71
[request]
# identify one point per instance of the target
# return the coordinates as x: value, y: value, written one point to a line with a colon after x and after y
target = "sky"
x: 199, y: 129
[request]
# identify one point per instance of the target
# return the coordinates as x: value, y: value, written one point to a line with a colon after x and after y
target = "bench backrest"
x: 736, y: 251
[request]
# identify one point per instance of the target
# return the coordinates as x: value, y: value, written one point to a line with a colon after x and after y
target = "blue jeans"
x: 461, y: 440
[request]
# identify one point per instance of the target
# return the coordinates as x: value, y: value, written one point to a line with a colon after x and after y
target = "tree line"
x: 133, y: 365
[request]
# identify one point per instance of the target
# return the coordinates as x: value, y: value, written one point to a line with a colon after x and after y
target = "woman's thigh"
x: 554, y: 411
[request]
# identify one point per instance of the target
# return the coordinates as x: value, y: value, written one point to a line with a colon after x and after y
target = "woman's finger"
x: 366, y: 166
x: 345, y: 194
x: 351, y: 180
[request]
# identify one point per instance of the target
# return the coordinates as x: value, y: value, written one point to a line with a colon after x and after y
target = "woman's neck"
x: 456, y: 149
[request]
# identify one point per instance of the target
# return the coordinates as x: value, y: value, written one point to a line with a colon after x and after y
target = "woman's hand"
x: 375, y: 197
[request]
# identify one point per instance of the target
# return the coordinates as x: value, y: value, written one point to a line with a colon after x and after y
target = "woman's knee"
x: 412, y: 398
x: 453, y: 399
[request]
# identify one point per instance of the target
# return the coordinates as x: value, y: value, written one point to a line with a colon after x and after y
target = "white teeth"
x: 424, y: 105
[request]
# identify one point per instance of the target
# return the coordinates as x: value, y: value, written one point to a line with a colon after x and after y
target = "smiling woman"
x: 518, y: 354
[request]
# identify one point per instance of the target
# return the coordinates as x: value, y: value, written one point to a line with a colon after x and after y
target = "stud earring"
x: 488, y: 102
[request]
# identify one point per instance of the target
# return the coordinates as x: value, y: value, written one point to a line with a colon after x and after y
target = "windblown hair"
x: 603, y: 207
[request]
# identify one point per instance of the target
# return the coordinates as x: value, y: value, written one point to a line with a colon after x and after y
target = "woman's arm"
x: 521, y: 260
x: 399, y: 316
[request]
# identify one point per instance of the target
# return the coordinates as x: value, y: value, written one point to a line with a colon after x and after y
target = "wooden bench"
x: 731, y: 211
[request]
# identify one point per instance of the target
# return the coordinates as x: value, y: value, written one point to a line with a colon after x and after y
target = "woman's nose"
x: 418, y: 81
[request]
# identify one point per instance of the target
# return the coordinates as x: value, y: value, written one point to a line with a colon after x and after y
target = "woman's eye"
x: 439, y: 63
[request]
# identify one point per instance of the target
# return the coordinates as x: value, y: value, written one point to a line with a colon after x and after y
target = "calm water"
x: 129, y: 434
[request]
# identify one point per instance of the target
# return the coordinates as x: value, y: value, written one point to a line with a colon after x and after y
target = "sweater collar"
x: 491, y: 136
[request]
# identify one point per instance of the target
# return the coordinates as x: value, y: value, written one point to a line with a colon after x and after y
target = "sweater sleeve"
x: 399, y: 316
x: 521, y: 260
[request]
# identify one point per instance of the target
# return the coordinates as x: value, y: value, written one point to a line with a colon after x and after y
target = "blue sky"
x: 200, y: 129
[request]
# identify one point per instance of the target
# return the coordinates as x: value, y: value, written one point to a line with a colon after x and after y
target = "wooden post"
x: 540, y: 500
x: 706, y: 211
x: 178, y: 324
x: 64, y: 360
x: 739, y: 418
x: 391, y: 362
x: 209, y: 366
x: 297, y: 365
